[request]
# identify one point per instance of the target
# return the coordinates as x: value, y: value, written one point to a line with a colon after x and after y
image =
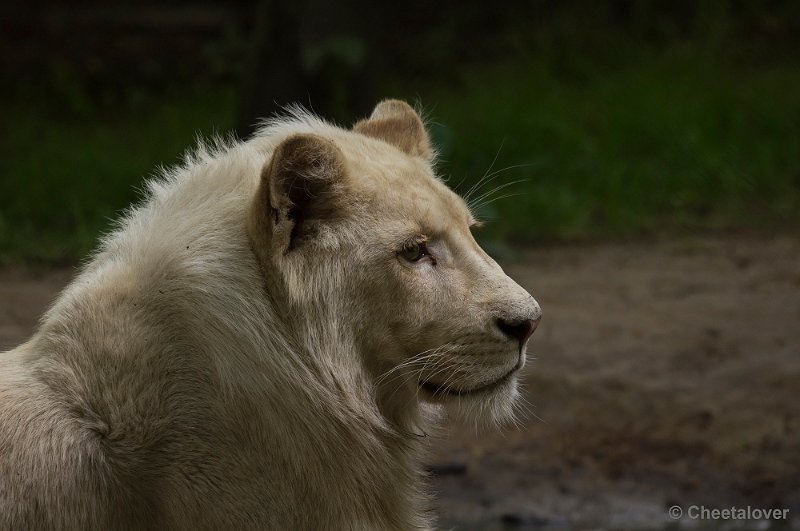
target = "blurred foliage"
x: 667, y: 145
x: 65, y: 181
x: 620, y: 118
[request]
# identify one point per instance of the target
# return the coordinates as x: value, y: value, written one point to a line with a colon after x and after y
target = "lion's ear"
x: 397, y: 123
x: 299, y: 186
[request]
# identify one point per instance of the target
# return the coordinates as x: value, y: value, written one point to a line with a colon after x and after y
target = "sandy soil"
x: 664, y: 374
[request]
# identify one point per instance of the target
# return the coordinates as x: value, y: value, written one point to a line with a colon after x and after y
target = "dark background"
x: 620, y: 118
x: 637, y: 165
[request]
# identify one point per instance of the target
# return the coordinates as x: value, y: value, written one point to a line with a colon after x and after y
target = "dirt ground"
x: 664, y: 374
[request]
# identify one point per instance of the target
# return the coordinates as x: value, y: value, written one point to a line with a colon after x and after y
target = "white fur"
x: 176, y: 384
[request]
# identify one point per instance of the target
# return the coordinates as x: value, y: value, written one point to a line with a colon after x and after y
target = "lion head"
x: 360, y: 240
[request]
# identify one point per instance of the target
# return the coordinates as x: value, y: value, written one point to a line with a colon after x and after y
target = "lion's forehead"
x: 398, y: 184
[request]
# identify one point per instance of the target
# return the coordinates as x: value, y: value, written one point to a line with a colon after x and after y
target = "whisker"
x: 492, y: 200
x: 486, y: 174
x: 436, y: 355
x: 486, y: 179
x: 411, y: 368
x: 477, y: 201
x: 410, y: 361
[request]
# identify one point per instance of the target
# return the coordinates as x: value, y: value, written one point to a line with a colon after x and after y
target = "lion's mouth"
x: 444, y: 390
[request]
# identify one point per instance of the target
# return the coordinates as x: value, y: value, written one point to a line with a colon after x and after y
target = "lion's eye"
x: 415, y: 251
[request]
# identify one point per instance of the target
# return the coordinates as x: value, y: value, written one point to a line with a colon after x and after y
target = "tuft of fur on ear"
x: 299, y: 186
x: 398, y: 124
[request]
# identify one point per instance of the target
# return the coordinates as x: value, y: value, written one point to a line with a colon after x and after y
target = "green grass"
x: 65, y: 181
x: 666, y: 144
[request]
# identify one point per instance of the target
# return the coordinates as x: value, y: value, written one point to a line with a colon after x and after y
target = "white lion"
x: 260, y: 344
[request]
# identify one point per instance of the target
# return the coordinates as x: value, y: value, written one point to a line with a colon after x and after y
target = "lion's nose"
x: 519, y: 330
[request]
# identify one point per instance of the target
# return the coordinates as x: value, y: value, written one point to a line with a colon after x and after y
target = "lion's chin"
x: 491, y: 404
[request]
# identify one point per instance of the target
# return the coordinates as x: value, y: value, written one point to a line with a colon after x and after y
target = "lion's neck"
x: 324, y: 415
x: 348, y: 442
